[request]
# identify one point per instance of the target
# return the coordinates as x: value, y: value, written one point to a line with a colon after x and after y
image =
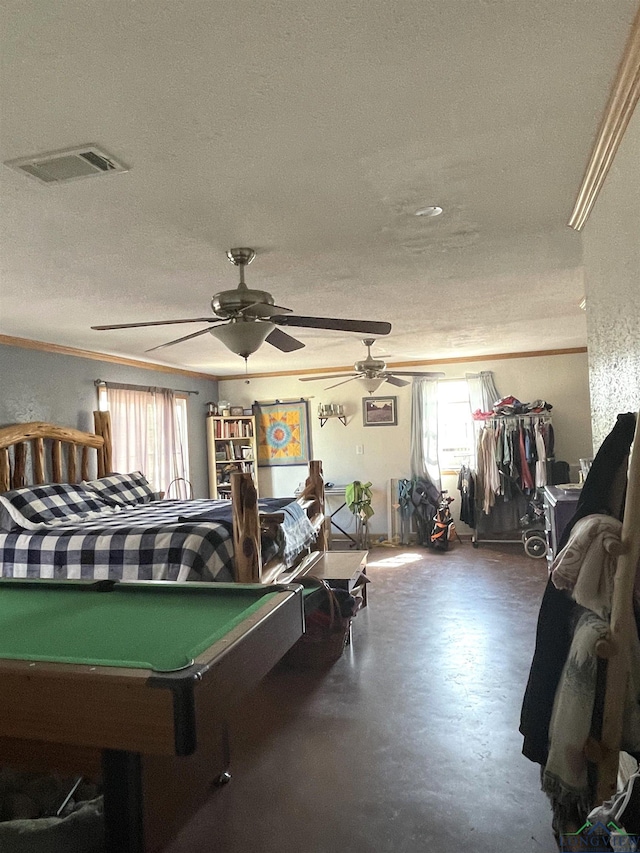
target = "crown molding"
x: 25, y: 343
x: 318, y: 371
x: 622, y: 100
x: 42, y: 346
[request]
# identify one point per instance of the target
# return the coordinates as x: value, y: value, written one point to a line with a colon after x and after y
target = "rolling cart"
x: 532, y: 534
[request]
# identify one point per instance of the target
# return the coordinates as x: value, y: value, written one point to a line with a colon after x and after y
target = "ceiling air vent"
x: 60, y: 166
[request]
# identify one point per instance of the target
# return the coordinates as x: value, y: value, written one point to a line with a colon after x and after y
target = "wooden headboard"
x: 40, y: 452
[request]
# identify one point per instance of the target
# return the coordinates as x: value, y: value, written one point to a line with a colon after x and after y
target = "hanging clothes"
x: 541, y: 463
x: 526, y: 480
x: 488, y: 468
x: 558, y: 611
x: 467, y: 489
x: 358, y: 498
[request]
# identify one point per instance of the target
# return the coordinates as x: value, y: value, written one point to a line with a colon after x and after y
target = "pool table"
x: 135, y: 680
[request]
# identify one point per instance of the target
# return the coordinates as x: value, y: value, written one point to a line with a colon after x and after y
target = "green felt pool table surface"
x: 161, y: 628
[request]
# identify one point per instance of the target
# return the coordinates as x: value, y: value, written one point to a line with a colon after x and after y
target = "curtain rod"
x: 287, y: 400
x: 124, y: 387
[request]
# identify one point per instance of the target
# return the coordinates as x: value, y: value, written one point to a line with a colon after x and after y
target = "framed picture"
x: 379, y: 411
x: 283, y: 433
x: 236, y: 410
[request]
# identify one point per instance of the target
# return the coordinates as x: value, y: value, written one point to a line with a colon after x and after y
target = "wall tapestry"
x: 283, y: 433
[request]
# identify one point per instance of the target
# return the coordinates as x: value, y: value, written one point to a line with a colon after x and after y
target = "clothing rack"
x: 545, y: 417
x: 514, y: 420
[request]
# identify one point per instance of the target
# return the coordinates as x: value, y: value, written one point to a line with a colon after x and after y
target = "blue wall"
x: 44, y: 386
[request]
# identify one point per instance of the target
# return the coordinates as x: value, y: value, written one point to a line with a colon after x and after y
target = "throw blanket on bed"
x: 585, y: 567
x: 141, y: 542
x: 299, y: 533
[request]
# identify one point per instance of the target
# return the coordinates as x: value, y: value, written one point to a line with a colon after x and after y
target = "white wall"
x: 611, y: 240
x: 562, y: 380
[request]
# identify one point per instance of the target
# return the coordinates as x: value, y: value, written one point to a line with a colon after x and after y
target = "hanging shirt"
x: 466, y: 487
x: 490, y: 473
x: 526, y: 479
x: 541, y: 464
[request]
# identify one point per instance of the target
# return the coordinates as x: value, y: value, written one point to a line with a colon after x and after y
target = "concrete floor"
x: 410, y: 741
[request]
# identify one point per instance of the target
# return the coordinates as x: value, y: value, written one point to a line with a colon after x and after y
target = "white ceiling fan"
x: 372, y: 372
x: 244, y: 318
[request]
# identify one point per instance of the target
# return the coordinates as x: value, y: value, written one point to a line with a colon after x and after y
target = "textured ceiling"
x: 310, y: 132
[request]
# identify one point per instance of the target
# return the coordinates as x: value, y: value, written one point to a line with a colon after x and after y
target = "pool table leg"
x: 225, y: 743
x: 123, y: 801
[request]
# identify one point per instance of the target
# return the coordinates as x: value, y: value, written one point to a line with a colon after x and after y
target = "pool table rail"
x: 135, y: 709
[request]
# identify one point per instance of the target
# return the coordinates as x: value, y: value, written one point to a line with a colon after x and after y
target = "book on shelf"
x: 233, y: 429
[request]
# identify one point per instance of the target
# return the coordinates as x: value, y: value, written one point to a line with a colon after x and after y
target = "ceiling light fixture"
x: 583, y: 304
x: 372, y: 384
x: 432, y: 210
x: 243, y: 336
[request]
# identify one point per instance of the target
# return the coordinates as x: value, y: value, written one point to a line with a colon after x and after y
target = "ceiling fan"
x: 252, y: 318
x: 372, y: 372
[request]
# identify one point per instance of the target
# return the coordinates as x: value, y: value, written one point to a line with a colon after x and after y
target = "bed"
x: 65, y: 515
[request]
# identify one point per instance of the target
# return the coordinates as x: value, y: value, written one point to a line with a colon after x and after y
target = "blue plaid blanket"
x: 298, y: 533
x: 141, y: 542
x: 162, y: 540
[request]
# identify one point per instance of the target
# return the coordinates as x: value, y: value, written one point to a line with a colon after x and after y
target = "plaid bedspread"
x: 143, y: 542
x: 297, y: 532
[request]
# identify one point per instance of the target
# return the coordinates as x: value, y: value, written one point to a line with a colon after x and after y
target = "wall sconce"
x: 331, y: 410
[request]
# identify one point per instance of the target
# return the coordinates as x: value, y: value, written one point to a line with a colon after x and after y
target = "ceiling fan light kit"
x: 243, y: 337
x: 372, y: 384
x: 253, y: 318
x: 372, y: 372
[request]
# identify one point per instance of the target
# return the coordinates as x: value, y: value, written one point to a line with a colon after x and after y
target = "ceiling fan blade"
x: 262, y: 310
x: 331, y: 376
x: 179, y: 340
x: 433, y: 375
x: 158, y: 323
x: 283, y: 341
x: 342, y: 383
x: 370, y: 327
x: 392, y: 380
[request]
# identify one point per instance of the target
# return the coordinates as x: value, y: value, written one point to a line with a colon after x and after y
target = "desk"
x: 136, y: 679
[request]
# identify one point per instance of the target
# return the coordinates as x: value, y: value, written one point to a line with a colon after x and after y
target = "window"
x: 456, y: 436
x: 149, y: 429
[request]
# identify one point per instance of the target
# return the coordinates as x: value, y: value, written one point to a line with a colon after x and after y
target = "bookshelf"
x: 231, y: 446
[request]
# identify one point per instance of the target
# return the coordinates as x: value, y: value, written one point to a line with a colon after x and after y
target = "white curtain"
x: 483, y: 394
x: 424, y: 430
x: 147, y: 435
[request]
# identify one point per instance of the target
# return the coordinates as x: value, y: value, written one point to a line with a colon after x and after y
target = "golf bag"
x: 443, y: 530
x: 424, y: 500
